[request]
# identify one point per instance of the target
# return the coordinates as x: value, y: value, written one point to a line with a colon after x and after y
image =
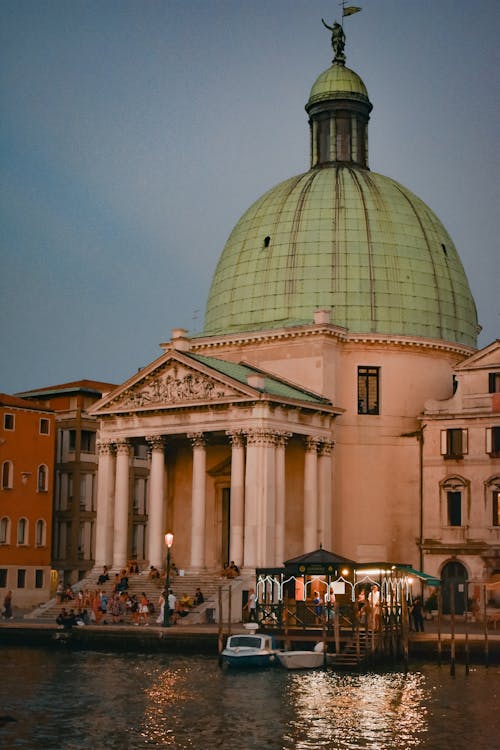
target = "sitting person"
x: 104, y: 576
x: 231, y: 570
x: 122, y: 584
x: 198, y: 598
x: 153, y: 572
x: 185, y: 604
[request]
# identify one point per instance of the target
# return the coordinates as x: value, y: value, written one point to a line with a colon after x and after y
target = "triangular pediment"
x: 489, y: 356
x: 172, y: 381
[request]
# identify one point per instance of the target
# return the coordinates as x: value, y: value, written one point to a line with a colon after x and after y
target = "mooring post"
x: 452, y: 603
x: 439, y: 610
x: 485, y: 625
x: 220, y: 629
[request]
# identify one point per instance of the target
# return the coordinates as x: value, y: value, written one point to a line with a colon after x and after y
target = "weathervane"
x: 338, y: 36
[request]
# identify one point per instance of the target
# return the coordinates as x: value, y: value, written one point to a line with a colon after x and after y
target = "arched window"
x: 454, y: 506
x: 22, y: 531
x: 4, y: 530
x: 7, y: 475
x: 43, y: 476
x: 40, y: 533
x: 492, y: 487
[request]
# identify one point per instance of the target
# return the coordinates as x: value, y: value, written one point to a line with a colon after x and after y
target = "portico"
x: 193, y: 414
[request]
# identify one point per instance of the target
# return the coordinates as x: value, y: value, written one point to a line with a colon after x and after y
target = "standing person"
x: 418, y: 615
x: 172, y: 607
x: 318, y: 607
x: 7, y: 606
x: 144, y: 609
x: 374, y: 600
x: 251, y: 605
x: 198, y: 597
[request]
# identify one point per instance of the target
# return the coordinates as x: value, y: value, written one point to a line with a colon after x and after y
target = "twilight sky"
x: 134, y: 134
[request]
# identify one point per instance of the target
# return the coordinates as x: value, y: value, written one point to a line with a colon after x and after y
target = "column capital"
x: 312, y: 443
x: 237, y: 438
x: 325, y: 447
x: 283, y: 437
x: 198, y: 439
x: 261, y: 437
x: 123, y: 447
x: 155, y: 442
x: 106, y: 447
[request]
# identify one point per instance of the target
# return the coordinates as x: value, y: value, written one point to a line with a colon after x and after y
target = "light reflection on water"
x: 67, y: 701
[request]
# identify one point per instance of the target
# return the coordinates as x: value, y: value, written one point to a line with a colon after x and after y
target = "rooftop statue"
x: 338, y: 41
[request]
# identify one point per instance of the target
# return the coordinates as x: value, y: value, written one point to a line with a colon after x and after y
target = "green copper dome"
x: 337, y: 82
x: 343, y: 239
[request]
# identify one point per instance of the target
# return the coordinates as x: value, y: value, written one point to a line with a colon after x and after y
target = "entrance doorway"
x: 454, y: 588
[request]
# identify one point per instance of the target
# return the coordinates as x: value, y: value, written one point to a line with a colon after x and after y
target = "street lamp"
x: 169, y: 540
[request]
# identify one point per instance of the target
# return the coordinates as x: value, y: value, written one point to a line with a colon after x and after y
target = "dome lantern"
x: 339, y: 110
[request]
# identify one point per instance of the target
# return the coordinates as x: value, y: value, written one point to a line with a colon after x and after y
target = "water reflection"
x: 66, y: 701
x: 370, y: 711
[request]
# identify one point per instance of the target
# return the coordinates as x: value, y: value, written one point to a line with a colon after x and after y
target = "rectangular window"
x: 8, y: 421
x: 21, y: 578
x: 368, y: 390
x: 455, y: 508
x: 494, y: 382
x: 3, y: 578
x: 496, y: 508
x: 454, y: 443
x: 39, y: 579
x: 493, y: 441
x: 88, y: 441
x: 44, y: 426
x: 72, y: 440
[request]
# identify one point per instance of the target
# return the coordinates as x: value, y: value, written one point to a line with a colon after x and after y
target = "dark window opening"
x: 455, y: 508
x: 444, y: 249
x: 8, y: 421
x: 44, y: 426
x: 496, y: 508
x: 494, y: 382
x: 455, y: 447
x: 3, y: 578
x: 21, y: 578
x: 267, y: 241
x: 39, y: 579
x: 368, y: 390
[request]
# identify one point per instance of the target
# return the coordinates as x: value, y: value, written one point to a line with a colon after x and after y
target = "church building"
x: 339, y: 307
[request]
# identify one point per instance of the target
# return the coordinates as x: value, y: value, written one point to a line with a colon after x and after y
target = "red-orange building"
x: 27, y: 454
x: 75, y: 482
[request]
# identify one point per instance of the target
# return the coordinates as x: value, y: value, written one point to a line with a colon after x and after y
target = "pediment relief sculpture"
x: 175, y: 385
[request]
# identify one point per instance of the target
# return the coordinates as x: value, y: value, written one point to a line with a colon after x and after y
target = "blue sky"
x: 135, y: 134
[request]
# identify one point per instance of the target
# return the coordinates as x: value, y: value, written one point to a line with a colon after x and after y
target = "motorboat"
x: 301, y: 659
x: 249, y: 650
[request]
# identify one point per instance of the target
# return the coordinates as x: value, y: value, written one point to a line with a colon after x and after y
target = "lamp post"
x: 169, y: 540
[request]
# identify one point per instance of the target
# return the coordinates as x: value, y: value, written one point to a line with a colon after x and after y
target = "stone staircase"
x: 209, y: 583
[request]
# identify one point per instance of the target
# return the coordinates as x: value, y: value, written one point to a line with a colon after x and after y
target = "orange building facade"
x: 27, y: 452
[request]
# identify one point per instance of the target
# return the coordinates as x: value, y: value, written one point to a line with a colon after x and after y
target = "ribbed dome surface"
x: 347, y: 240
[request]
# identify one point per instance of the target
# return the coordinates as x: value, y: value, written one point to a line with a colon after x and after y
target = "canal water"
x: 67, y: 700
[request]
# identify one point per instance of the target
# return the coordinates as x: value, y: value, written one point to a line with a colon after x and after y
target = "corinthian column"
x: 237, y: 511
x: 325, y: 493
x: 105, y: 504
x: 198, y: 501
x: 260, y: 499
x: 156, y: 513
x: 279, y: 544
x: 311, y: 495
x: 122, y: 492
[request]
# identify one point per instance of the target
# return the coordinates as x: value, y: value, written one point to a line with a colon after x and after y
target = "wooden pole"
x: 485, y: 625
x: 229, y: 613
x: 324, y: 641
x: 466, y: 628
x: 452, y: 603
x: 220, y: 629
x: 405, y: 625
x: 336, y: 627
x: 440, y: 608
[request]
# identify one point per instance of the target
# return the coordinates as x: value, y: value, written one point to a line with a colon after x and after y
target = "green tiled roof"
x: 346, y: 240
x: 272, y: 386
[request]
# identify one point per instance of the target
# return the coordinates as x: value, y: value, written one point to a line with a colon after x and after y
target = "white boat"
x: 301, y: 659
x: 249, y: 650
